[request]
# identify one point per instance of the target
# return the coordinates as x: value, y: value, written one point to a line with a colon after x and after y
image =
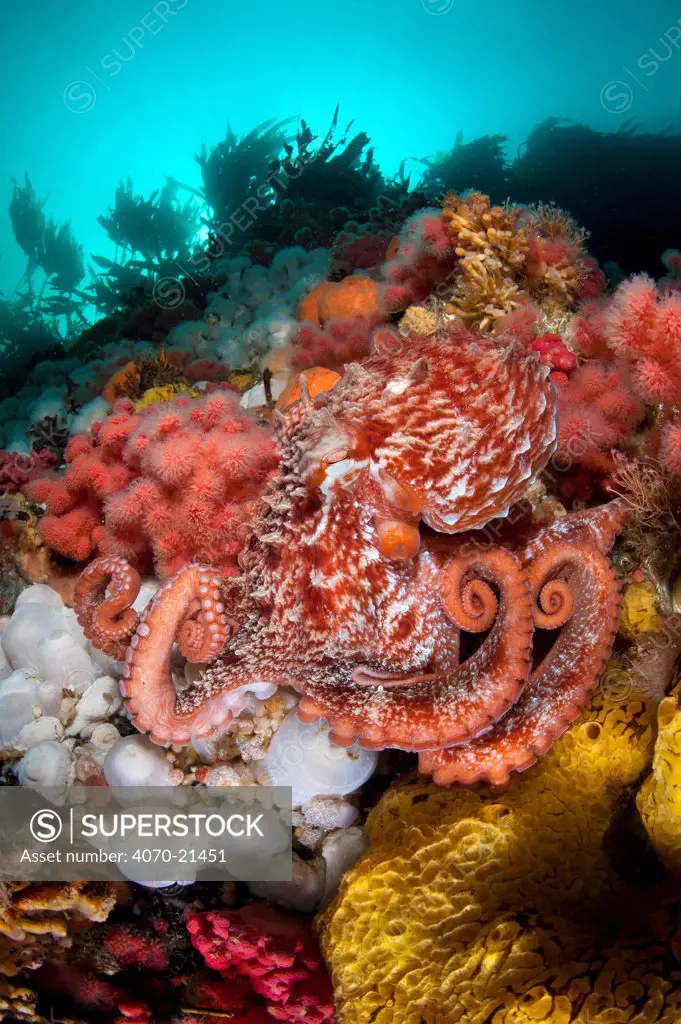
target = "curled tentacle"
x: 188, y: 609
x: 425, y: 710
x: 102, y: 601
x: 560, y: 685
x: 203, y: 632
x: 554, y: 600
x: 470, y: 603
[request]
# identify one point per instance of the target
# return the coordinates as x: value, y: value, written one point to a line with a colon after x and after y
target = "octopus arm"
x: 429, y: 710
x: 560, y: 686
x: 187, y: 610
x: 102, y: 601
x: 595, y: 526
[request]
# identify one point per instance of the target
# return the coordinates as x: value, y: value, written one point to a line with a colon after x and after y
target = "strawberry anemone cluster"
x: 360, y: 247
x: 635, y: 337
x: 336, y: 343
x: 164, y: 486
x: 554, y: 352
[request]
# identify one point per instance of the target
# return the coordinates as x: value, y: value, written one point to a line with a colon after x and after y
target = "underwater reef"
x: 544, y: 901
x: 368, y: 487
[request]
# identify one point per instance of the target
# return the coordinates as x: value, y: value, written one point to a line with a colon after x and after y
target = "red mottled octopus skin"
x: 343, y: 599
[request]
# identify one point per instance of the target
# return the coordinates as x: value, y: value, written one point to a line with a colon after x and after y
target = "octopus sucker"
x: 342, y: 597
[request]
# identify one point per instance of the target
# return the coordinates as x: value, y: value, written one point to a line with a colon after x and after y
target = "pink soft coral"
x: 639, y: 331
x: 337, y: 343
x: 171, y: 484
x: 597, y: 411
x: 644, y: 327
x: 670, y: 446
x: 275, y: 951
x: 590, y: 332
x: 424, y: 259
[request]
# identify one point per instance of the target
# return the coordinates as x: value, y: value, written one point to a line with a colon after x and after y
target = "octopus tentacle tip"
x: 102, y: 601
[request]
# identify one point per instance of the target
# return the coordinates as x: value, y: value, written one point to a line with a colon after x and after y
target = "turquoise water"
x: 96, y: 92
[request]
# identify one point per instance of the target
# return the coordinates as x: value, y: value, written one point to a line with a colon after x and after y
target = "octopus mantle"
x: 344, y: 597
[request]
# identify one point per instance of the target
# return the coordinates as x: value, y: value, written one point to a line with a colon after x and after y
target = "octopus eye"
x: 397, y: 540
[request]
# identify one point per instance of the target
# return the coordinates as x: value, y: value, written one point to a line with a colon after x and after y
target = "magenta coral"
x: 275, y: 951
x: 227, y: 994
x: 554, y: 352
x: 170, y: 484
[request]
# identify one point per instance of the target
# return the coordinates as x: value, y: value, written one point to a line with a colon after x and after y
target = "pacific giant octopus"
x: 349, y: 592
